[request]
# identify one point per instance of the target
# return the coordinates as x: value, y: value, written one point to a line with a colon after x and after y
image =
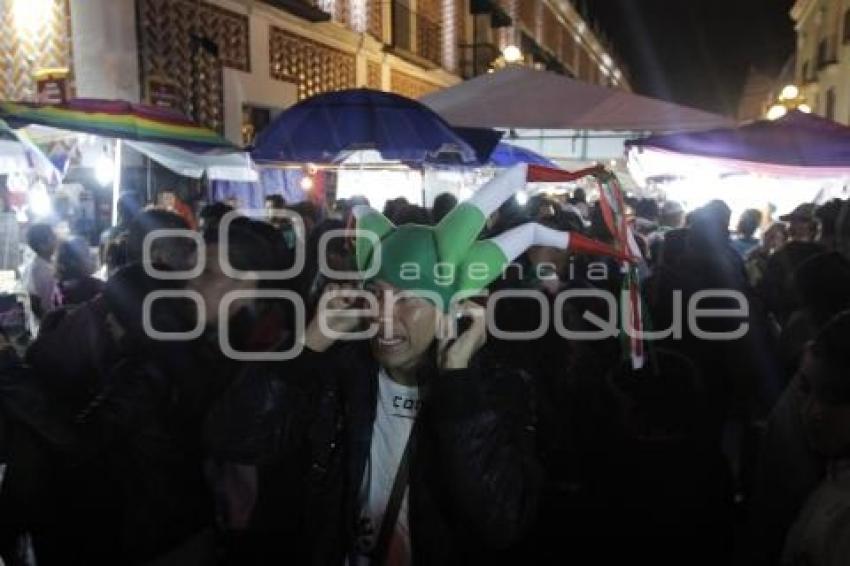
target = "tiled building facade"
x: 823, y: 56
x: 231, y: 64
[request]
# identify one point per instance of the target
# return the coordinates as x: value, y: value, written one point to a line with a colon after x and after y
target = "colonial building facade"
x: 823, y: 56
x: 231, y: 64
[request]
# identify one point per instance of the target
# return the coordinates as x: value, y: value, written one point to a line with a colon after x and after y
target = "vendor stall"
x: 109, y: 138
x: 770, y: 164
x: 370, y: 140
x: 571, y: 122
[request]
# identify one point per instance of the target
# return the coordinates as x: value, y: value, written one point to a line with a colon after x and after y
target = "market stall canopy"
x: 521, y: 97
x: 115, y: 119
x: 165, y: 136
x: 20, y: 156
x: 507, y: 155
x: 323, y: 128
x: 799, y: 158
x: 216, y: 165
x: 797, y: 144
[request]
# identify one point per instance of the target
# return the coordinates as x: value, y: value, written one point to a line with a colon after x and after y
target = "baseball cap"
x: 804, y: 212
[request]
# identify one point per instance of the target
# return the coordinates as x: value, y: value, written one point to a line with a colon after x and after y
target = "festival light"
x: 512, y: 54
x: 789, y: 92
x: 777, y: 111
x: 104, y: 171
x: 790, y: 98
x: 39, y: 200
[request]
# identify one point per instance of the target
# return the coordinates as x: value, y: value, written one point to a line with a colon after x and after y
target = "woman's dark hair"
x: 212, y: 214
x: 749, y: 222
x: 276, y: 200
x: 73, y: 259
x: 39, y: 235
x: 254, y: 246
x: 443, y: 204
x: 169, y: 251
x: 822, y: 283
x: 647, y: 208
x: 393, y: 207
x: 311, y: 281
x: 413, y: 214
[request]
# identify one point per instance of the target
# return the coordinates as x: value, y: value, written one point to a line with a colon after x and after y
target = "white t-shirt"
x: 40, y: 281
x: 398, y: 406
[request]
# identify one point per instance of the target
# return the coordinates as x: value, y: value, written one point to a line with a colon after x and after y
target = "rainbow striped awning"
x: 115, y: 119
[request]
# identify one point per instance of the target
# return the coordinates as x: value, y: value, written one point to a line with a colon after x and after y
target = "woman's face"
x: 774, y: 237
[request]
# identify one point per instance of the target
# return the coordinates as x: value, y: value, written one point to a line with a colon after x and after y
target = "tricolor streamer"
x: 614, y: 215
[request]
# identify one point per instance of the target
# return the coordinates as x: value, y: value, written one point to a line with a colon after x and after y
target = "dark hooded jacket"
x: 474, y: 479
x: 126, y: 481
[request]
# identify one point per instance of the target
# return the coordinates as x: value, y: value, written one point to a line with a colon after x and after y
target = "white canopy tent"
x: 222, y: 165
x: 216, y: 165
x: 573, y: 123
x: 18, y: 155
x: 521, y: 97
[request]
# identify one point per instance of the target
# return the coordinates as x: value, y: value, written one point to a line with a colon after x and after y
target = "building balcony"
x: 415, y: 37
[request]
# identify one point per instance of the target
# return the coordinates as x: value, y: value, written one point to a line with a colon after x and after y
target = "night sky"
x: 696, y: 52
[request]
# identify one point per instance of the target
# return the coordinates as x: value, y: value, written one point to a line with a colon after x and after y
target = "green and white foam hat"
x: 448, y: 261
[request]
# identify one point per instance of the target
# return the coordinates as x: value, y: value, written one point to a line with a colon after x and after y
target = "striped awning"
x: 115, y: 119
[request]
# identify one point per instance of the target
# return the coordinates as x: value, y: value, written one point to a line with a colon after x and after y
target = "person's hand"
x: 334, y: 316
x: 456, y: 355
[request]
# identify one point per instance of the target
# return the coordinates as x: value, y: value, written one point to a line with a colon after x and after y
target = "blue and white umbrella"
x: 328, y: 127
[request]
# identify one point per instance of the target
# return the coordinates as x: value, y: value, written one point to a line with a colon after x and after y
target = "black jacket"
x: 474, y: 479
x: 125, y: 480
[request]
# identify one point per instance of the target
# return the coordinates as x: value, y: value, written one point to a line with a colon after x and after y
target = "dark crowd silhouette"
x: 118, y: 447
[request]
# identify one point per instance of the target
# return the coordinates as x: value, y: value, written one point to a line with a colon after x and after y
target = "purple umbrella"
x: 797, y: 143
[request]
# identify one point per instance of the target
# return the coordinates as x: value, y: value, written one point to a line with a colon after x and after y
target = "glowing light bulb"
x: 307, y: 183
x: 805, y: 108
x: 104, y: 171
x: 789, y: 92
x: 776, y: 112
x: 39, y: 200
x: 512, y: 54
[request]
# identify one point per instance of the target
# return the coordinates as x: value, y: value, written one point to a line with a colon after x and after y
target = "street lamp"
x: 776, y: 112
x: 512, y: 54
x: 789, y: 92
x: 790, y: 98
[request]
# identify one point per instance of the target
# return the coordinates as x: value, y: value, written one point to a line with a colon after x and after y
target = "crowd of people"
x: 122, y: 447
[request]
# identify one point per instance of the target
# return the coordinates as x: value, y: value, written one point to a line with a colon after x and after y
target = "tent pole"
x: 148, y: 181
x: 116, y: 182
